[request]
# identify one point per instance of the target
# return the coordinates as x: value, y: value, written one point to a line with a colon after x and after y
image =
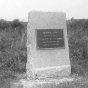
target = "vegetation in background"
x: 78, y: 44
x: 13, y: 50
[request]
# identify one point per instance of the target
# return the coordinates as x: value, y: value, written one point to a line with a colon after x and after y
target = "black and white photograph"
x: 43, y: 44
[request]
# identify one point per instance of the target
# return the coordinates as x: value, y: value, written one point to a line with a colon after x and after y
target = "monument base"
x: 53, y: 72
x: 49, y: 77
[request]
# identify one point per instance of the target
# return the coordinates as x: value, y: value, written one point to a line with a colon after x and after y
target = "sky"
x: 19, y: 9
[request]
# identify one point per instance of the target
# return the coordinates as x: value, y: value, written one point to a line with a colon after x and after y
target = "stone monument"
x: 47, y: 45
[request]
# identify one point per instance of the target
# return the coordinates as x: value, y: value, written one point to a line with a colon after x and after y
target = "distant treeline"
x: 13, y: 50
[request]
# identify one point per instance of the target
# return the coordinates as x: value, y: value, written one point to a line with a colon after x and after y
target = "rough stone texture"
x: 48, y: 83
x: 53, y: 72
x: 50, y: 57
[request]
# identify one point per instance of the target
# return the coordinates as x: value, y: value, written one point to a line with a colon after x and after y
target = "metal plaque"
x: 50, y: 38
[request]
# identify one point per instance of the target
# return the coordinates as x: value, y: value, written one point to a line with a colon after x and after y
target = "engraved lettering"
x: 50, y: 38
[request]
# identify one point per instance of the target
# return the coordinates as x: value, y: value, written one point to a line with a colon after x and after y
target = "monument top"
x: 48, y: 19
